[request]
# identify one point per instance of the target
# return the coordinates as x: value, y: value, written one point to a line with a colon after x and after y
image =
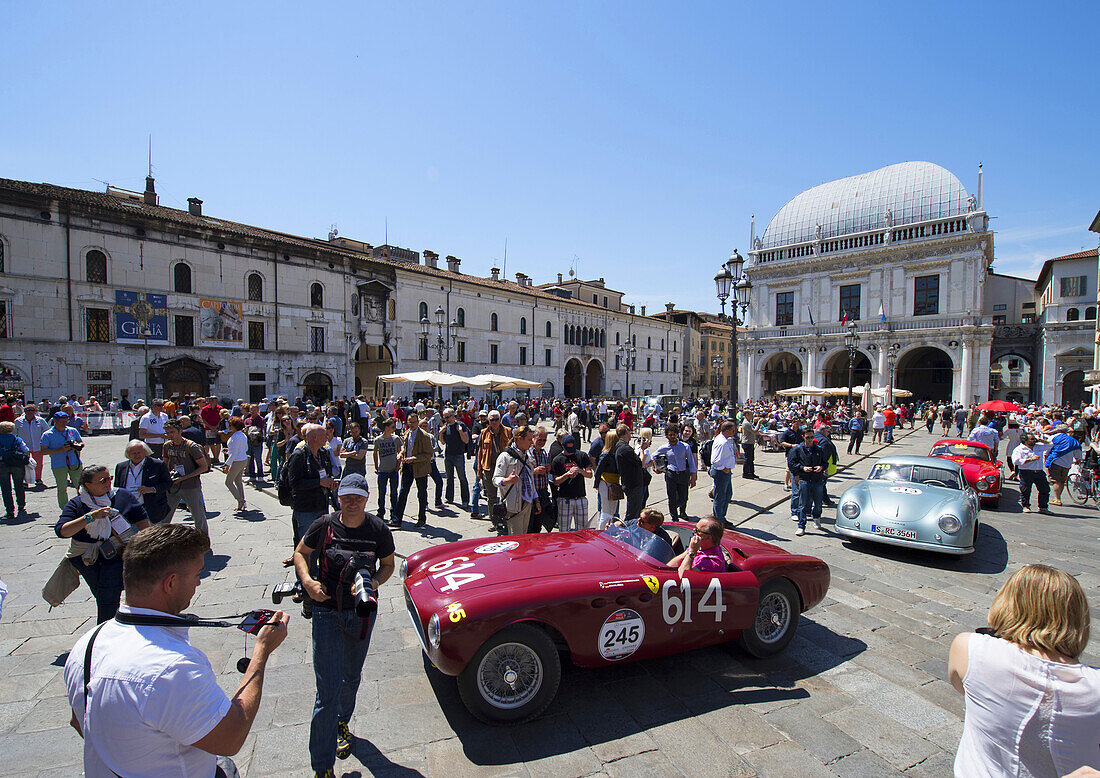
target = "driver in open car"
x: 705, y: 550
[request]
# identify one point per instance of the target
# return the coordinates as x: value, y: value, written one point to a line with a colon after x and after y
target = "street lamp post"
x: 629, y: 354
x: 443, y: 343
x: 891, y: 360
x: 732, y: 278
x: 716, y: 363
x: 851, y: 342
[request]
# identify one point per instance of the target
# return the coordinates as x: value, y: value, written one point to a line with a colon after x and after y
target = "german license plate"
x: 894, y: 532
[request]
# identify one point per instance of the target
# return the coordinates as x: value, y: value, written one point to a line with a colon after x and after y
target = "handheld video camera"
x: 292, y: 589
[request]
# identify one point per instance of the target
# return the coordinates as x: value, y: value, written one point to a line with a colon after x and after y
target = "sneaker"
x: 786, y: 488
x: 800, y: 532
x: 475, y: 515
x: 343, y: 740
x: 817, y: 523
x: 794, y: 517
x: 396, y: 524
x: 1025, y: 509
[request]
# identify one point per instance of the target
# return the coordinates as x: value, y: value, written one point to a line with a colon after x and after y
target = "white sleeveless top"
x: 1026, y: 717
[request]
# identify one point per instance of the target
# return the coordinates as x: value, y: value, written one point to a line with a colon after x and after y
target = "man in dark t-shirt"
x: 341, y: 637
x: 569, y: 469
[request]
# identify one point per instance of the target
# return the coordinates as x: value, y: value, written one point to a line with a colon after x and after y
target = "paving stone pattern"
x: 861, y: 691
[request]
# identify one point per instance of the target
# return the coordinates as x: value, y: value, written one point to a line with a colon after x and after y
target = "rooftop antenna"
x: 979, y: 186
x: 574, y: 265
x: 752, y: 233
x: 505, y: 257
x: 387, y: 230
x: 150, y: 174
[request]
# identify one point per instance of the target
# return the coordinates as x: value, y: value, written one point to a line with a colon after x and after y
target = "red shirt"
x: 6, y: 413
x: 891, y: 418
x: 211, y: 415
x: 627, y: 417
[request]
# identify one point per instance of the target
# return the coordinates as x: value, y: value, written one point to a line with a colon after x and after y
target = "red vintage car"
x: 981, y: 470
x: 497, y: 612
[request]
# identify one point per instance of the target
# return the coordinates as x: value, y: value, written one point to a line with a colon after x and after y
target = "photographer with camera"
x: 99, y: 521
x: 355, y: 555
x: 144, y: 699
x: 63, y: 445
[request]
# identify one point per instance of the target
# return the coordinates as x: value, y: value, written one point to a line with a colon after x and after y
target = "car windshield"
x: 960, y: 450
x: 641, y: 543
x: 916, y: 474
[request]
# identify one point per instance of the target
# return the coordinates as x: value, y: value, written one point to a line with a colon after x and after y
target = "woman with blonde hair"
x: 1032, y: 708
x: 607, y: 481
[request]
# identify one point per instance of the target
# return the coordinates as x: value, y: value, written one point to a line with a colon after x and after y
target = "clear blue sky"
x: 637, y: 137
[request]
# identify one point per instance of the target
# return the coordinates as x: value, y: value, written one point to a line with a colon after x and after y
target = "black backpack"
x: 14, y: 457
x: 283, y: 491
x: 704, y: 452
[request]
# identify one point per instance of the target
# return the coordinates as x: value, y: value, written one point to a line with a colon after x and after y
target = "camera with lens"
x: 292, y: 589
x: 356, y: 574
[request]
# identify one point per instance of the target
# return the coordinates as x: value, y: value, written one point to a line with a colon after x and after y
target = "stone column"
x: 883, y: 370
x: 966, y: 389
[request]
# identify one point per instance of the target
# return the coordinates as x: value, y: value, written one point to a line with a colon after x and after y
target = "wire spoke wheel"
x: 773, y: 617
x: 510, y: 675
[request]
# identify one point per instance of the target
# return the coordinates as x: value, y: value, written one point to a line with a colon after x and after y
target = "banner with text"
x: 132, y: 309
x: 221, y: 323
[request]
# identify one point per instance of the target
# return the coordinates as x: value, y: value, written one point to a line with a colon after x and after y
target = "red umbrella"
x: 1003, y: 406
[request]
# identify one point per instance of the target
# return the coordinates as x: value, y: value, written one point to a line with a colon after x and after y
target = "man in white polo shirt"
x: 152, y: 705
x: 151, y: 427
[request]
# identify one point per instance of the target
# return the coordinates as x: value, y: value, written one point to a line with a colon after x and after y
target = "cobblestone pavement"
x: 862, y: 690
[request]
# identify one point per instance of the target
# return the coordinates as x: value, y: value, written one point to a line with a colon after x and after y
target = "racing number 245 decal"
x: 676, y: 601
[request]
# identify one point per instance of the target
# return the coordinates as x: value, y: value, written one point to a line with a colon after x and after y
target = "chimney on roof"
x: 453, y: 262
x: 559, y: 278
x: 431, y: 259
x: 669, y: 308
x: 494, y: 273
x: 632, y: 309
x: 643, y: 310
x: 520, y: 278
x: 194, y: 206
x: 150, y: 191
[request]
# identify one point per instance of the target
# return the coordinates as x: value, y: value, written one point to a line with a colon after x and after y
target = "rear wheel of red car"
x: 513, y: 677
x: 776, y: 620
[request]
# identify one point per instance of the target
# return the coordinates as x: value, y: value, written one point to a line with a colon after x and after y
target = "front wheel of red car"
x: 513, y: 677
x: 775, y: 622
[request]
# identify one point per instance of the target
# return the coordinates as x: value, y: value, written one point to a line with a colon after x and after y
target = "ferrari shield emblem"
x: 652, y: 582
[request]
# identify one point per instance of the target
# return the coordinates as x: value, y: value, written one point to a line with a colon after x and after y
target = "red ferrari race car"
x: 981, y: 471
x: 497, y: 612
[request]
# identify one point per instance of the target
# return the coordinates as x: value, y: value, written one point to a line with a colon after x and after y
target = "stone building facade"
x: 110, y: 293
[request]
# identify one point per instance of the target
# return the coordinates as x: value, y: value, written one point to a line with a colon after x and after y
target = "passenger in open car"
x: 705, y: 549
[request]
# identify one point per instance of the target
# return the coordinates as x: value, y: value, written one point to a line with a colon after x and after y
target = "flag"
x: 881, y: 313
x: 844, y: 318
x: 811, y: 314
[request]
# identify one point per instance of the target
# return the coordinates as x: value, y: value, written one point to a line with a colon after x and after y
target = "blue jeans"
x: 723, y: 493
x: 475, y: 505
x: 810, y: 495
x: 889, y: 434
x: 795, y: 502
x: 256, y: 461
x: 302, y: 521
x: 456, y: 463
x: 387, y: 481
x: 338, y: 656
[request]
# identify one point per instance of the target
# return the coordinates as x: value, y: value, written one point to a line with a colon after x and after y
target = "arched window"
x: 603, y: 338
x: 255, y: 287
x: 617, y: 338
x: 1090, y: 313
x: 549, y: 329
x: 493, y: 322
x: 95, y: 267
x: 522, y: 325
x: 422, y: 311
x: 181, y: 278
x: 460, y: 317
x: 649, y: 342
x: 316, y: 296
x: 1073, y: 314
x: 2, y: 268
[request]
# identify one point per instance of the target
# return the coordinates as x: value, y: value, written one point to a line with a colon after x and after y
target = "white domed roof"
x: 911, y: 191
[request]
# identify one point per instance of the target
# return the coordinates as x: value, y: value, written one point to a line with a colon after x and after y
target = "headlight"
x: 985, y: 483
x: 403, y: 571
x: 849, y: 509
x: 950, y: 524
x: 433, y: 631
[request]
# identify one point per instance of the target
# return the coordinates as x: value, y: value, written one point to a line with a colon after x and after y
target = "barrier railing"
x: 107, y: 421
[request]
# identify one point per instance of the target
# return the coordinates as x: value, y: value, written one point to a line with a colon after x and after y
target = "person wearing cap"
x: 569, y: 469
x: 340, y: 637
x: 62, y: 445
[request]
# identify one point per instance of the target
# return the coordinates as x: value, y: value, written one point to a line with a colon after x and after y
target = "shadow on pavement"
x: 214, y: 563
x: 375, y: 762
x: 429, y: 531
x: 252, y: 514
x: 602, y: 705
x: 762, y: 534
x: 990, y: 554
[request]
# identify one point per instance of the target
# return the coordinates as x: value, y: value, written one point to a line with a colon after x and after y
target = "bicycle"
x: 1084, y: 484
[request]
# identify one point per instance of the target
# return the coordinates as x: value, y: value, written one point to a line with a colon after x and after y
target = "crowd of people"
x: 536, y: 465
